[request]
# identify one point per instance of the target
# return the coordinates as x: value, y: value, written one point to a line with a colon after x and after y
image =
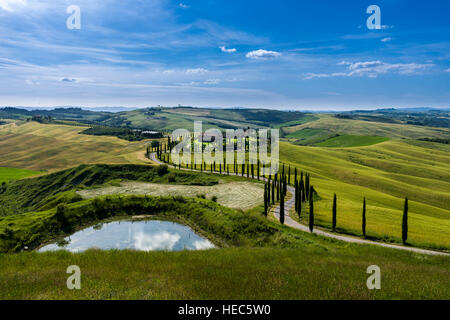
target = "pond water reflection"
x: 143, y: 235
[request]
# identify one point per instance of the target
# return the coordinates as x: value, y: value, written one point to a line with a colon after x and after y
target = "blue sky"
x: 305, y: 55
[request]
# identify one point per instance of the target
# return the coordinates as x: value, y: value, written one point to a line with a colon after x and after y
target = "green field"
x: 309, y: 272
x: 384, y: 173
x: 8, y: 174
x: 332, y: 125
x: 258, y: 259
x: 345, y: 141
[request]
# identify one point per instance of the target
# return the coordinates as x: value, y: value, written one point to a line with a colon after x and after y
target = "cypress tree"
x: 248, y: 170
x: 265, y: 199
x: 307, y: 188
x: 334, y: 212
x: 282, y: 210
x: 243, y: 169
x: 253, y: 171
x: 311, y: 214
x: 364, y: 218
x: 268, y: 192
x: 299, y: 204
x: 296, y: 195
x: 220, y: 168
x: 295, y: 174
x: 405, y: 222
x: 289, y: 175
x: 273, y: 191
x: 302, y: 191
x: 278, y: 190
x: 258, y: 168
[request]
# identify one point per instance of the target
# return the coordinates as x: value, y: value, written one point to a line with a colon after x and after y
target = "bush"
x: 201, y: 196
x: 214, y: 198
x: 162, y: 170
x: 171, y: 177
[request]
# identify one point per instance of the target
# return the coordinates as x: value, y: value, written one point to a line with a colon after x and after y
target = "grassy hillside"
x: 259, y: 259
x: 9, y: 174
x: 308, y: 272
x: 48, y: 147
x: 274, y: 271
x: 169, y: 119
x: 329, y: 126
x: 384, y: 173
x: 347, y: 140
x: 48, y: 191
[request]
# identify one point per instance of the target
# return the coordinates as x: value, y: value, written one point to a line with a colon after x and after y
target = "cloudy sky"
x: 225, y: 53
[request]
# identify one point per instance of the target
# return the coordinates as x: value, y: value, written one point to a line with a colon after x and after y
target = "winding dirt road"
x: 289, y: 204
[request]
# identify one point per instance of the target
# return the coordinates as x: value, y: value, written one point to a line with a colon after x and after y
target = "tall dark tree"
x: 257, y: 169
x: 299, y: 204
x: 307, y: 188
x: 279, y: 189
x: 289, y: 175
x: 311, y: 213
x: 273, y: 191
x: 334, y: 211
x: 268, y: 192
x: 364, y: 219
x: 282, y: 210
x: 295, y: 174
x: 265, y: 199
x: 405, y: 222
x: 296, y: 195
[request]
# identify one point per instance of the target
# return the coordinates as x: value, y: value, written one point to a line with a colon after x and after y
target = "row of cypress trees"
x: 364, y: 218
x: 304, y: 191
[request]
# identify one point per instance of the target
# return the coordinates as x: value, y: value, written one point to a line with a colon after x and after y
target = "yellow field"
x: 384, y: 173
x: 48, y: 147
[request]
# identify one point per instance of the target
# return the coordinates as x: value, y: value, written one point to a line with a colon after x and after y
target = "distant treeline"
x: 430, y: 118
x: 444, y: 141
x: 123, y: 133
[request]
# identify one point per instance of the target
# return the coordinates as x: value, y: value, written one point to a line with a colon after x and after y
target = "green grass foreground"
x: 233, y: 273
x: 257, y: 259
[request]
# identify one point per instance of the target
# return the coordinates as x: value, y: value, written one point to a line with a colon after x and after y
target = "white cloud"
x: 160, y: 241
x: 447, y: 70
x: 224, y: 49
x: 262, y: 54
x: 373, y: 69
x: 10, y: 5
x: 212, y: 81
x: 202, y: 245
x: 387, y: 39
x: 196, y: 71
x: 184, y: 6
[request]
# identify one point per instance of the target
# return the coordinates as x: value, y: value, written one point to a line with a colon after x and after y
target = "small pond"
x: 141, y: 235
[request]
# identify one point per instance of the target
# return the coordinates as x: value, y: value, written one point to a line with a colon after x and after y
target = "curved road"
x: 289, y: 204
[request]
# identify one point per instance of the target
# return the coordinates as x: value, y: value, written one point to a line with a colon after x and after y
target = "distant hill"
x: 167, y: 119
x: 414, y: 116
